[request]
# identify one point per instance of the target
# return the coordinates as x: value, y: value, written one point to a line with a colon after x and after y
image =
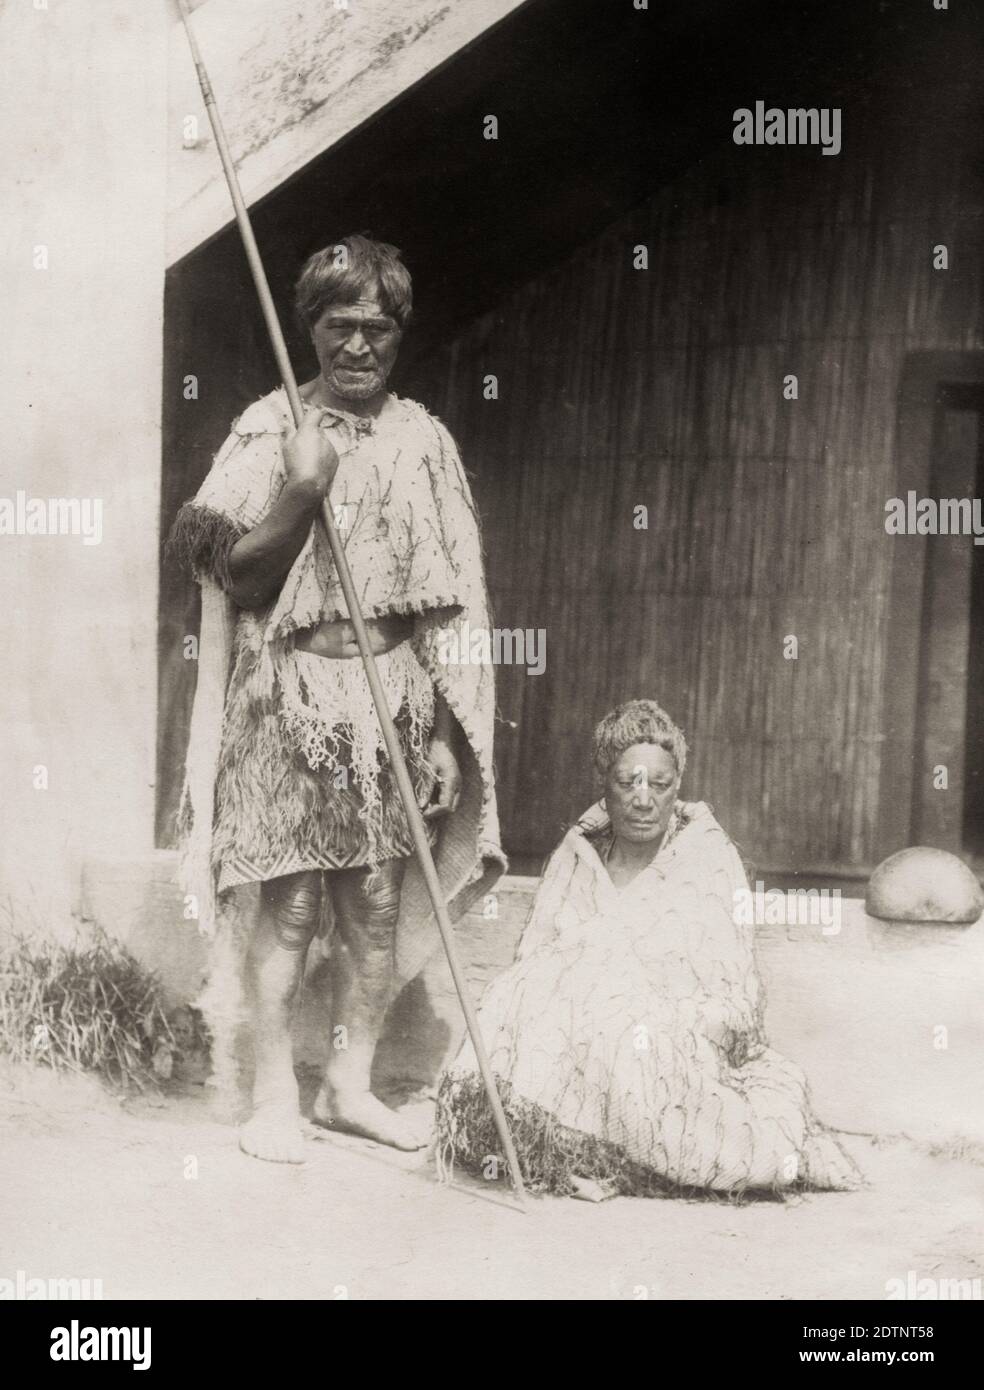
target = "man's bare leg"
x: 363, y: 987
x: 288, y: 919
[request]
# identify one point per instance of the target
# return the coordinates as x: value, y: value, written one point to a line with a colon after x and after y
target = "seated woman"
x: 627, y: 1036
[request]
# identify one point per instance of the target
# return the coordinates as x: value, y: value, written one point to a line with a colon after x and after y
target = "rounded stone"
x: 924, y: 885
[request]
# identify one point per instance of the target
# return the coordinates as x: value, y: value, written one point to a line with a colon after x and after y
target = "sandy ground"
x: 157, y: 1202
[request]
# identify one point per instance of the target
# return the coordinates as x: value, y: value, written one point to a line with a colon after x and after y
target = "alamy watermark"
x: 929, y: 516
x: 83, y: 1343
x: 21, y: 515
x: 776, y: 125
x: 941, y: 1290
x: 24, y: 1287
x: 796, y: 907
x: 497, y: 646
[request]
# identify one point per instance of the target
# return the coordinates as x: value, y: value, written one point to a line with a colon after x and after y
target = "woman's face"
x: 640, y: 790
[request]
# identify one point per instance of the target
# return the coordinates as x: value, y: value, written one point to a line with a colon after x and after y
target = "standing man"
x: 288, y: 783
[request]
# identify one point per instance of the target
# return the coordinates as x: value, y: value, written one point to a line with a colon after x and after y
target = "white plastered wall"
x: 81, y: 172
x: 95, y: 166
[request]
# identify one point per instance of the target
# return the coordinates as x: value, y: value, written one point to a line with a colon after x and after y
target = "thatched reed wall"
x: 663, y: 388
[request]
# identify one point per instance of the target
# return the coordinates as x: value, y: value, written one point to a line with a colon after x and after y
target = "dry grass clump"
x: 86, y: 1007
x: 550, y: 1155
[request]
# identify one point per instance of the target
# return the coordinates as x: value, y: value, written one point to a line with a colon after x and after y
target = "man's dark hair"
x: 350, y: 269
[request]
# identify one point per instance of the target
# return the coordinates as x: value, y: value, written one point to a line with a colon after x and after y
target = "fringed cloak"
x: 405, y: 514
x: 628, y: 1040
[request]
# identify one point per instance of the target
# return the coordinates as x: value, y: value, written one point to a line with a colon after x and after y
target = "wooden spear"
x: 414, y: 818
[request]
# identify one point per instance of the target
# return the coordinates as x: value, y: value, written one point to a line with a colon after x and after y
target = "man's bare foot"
x: 273, y: 1132
x: 359, y: 1112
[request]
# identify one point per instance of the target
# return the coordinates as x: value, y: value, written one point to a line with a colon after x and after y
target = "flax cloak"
x: 628, y: 1036
x: 443, y: 585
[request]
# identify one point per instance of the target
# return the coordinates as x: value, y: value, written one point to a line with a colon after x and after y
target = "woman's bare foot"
x: 359, y: 1112
x: 273, y: 1132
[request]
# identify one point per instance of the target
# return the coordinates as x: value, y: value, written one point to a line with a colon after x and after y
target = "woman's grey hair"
x: 637, y: 721
x: 351, y: 269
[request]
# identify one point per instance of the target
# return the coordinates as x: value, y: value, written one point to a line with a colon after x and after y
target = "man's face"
x: 640, y: 790
x: 356, y: 346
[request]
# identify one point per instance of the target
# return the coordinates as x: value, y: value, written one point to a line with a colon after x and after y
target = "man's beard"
x: 357, y: 388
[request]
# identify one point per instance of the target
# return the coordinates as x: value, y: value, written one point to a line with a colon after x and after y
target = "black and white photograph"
x: 492, y: 700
